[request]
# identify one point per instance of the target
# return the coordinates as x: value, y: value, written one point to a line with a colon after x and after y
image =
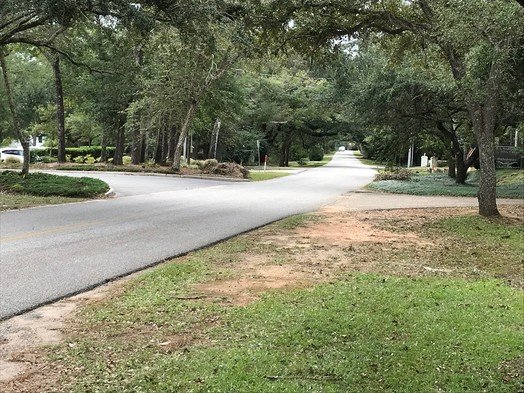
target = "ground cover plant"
x: 509, y: 185
x: 44, y: 184
x: 376, y: 303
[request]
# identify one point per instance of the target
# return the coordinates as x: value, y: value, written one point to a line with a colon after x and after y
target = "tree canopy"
x: 161, y: 79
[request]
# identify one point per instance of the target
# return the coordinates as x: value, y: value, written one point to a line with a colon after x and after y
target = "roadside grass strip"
x: 261, y: 176
x: 441, y: 184
x: 20, y: 201
x: 359, y: 332
x: 365, y: 333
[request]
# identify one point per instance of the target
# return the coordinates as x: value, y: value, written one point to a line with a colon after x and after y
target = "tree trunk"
x: 158, y: 147
x: 190, y: 114
x: 286, y: 147
x: 452, y: 166
x: 16, y: 122
x: 136, y: 149
x: 119, y: 148
x: 172, y: 145
x: 482, y: 115
x: 483, y: 119
x: 462, y: 167
x: 214, y: 140
x: 103, y: 145
x: 143, y: 147
x: 165, y: 146
x: 60, y: 110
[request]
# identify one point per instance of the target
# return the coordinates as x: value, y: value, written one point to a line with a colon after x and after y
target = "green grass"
x: 266, y: 175
x: 359, y: 333
x: 45, y: 185
x: 510, y: 185
x: 496, y: 246
x: 21, y: 201
x: 366, y: 333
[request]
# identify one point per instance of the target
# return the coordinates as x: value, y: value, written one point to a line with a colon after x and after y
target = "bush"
x: 302, y: 161
x: 399, y: 174
x: 79, y: 159
x: 207, y: 165
x: 89, y: 159
x: 44, y: 184
x: 126, y: 160
x: 316, y: 154
x: 73, y: 152
x: 11, y: 160
x: 49, y: 159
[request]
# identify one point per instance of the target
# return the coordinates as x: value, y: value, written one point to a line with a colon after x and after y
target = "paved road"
x: 50, y: 252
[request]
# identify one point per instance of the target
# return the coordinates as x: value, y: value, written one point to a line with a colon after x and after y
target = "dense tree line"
x: 155, y: 79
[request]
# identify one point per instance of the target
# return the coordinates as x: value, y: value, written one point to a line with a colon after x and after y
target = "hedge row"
x: 94, y: 151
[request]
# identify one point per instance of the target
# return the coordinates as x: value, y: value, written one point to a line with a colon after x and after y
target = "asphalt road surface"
x: 50, y: 252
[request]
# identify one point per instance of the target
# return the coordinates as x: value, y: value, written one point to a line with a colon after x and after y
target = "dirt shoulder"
x: 317, y: 248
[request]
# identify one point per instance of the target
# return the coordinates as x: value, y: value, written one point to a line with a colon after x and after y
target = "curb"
x: 110, y: 194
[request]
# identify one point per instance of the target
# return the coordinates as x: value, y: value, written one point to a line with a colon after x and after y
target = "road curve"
x: 50, y: 252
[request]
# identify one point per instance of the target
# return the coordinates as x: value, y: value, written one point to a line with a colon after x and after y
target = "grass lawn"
x: 172, y: 329
x: 312, y: 164
x: 510, y: 184
x: 21, y: 201
x: 266, y: 175
x: 41, y: 188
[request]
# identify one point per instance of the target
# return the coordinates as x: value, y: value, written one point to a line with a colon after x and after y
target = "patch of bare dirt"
x: 253, y: 279
x: 21, y: 336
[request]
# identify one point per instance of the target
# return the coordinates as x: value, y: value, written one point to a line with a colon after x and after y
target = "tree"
x: 478, y: 39
x: 16, y: 121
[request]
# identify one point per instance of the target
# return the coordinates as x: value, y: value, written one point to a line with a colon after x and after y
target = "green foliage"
x: 316, y: 154
x: 441, y: 184
x: 399, y: 174
x: 74, y: 152
x: 43, y: 184
x: 302, y: 161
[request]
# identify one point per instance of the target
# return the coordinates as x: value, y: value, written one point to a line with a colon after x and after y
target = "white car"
x: 14, y: 154
x: 342, y: 148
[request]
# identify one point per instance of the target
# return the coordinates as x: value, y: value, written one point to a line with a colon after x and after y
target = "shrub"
x: 73, y: 152
x: 316, y: 154
x: 44, y: 184
x: 207, y: 165
x: 79, y: 159
x: 399, y: 174
x: 302, y: 161
x: 89, y: 159
x: 12, y: 160
x: 126, y: 160
x: 49, y: 159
